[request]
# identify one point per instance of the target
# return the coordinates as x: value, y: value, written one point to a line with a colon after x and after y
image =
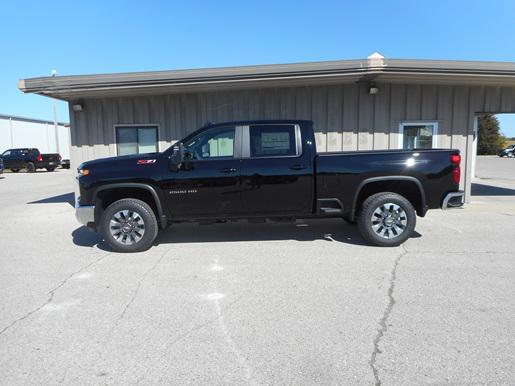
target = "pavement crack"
x: 195, y: 329
x: 138, y: 286
x: 383, y: 327
x: 205, y: 324
x: 51, y: 294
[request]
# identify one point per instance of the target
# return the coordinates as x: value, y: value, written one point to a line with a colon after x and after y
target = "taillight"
x: 456, y: 171
x: 39, y: 158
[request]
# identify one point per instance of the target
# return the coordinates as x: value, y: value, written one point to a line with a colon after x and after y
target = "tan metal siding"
x: 346, y: 116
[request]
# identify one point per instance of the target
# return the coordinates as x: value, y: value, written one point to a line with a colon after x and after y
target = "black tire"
x: 137, y: 208
x: 15, y: 170
x: 390, y: 226
x: 50, y: 169
x: 31, y: 168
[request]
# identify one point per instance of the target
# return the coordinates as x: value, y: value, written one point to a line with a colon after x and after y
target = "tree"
x: 490, y: 139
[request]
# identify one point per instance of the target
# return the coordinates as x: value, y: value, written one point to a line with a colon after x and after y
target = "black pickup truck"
x: 261, y: 170
x: 29, y: 159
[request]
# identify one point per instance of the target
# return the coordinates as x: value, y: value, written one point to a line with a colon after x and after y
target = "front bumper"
x: 453, y: 200
x: 85, y: 214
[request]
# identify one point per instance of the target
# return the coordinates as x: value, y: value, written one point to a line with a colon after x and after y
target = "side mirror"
x: 177, y: 157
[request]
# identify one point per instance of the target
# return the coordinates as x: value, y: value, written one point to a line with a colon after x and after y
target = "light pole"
x: 56, y: 129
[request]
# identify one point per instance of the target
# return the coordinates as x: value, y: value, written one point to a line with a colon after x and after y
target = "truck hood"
x: 120, y: 160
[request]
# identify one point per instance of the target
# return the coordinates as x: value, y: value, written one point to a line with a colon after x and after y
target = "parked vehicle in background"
x: 30, y: 159
x: 1, y: 165
x: 262, y: 170
x: 507, y: 152
x: 65, y: 164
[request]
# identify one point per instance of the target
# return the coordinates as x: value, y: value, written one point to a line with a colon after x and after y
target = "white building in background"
x: 16, y: 132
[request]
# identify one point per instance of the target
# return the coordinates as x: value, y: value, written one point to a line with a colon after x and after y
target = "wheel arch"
x: 395, y: 184
x: 106, y: 194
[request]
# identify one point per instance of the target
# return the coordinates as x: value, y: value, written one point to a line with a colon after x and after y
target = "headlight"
x: 83, y: 172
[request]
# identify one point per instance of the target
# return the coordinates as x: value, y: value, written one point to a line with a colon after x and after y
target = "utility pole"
x: 56, y: 129
x: 11, y: 131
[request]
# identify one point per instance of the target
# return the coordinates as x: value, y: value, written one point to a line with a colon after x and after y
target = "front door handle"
x: 228, y: 170
x: 297, y: 167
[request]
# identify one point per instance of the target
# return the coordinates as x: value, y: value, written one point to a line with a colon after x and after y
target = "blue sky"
x: 80, y: 37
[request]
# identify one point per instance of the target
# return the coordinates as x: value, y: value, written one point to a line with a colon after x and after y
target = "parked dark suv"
x: 29, y: 159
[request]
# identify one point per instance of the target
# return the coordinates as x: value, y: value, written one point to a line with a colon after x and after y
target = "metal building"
x: 374, y: 103
x: 16, y: 132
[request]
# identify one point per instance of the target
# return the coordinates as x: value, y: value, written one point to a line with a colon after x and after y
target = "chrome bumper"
x: 453, y: 200
x: 85, y: 214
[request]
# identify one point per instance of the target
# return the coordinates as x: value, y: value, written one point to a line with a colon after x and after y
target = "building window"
x: 272, y: 141
x: 136, y: 139
x: 418, y: 135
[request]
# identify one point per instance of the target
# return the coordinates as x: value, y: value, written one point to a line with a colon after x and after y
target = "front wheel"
x: 50, y: 169
x: 386, y: 219
x: 129, y: 225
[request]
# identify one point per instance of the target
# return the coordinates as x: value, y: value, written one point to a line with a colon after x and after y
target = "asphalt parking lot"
x: 304, y: 303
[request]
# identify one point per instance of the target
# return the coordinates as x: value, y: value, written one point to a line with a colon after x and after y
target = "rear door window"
x: 273, y: 141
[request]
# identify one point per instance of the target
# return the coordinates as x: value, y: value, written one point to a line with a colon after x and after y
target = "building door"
x: 208, y: 181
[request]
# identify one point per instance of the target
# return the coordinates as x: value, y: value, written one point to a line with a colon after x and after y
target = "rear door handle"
x: 228, y: 170
x: 297, y: 167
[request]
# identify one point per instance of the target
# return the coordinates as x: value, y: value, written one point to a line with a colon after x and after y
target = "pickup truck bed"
x: 259, y: 170
x: 424, y: 171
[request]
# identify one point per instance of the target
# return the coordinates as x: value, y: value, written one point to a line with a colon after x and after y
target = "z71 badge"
x: 146, y: 161
x: 183, y: 191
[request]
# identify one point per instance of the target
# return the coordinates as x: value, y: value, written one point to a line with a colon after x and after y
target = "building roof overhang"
x: 374, y: 69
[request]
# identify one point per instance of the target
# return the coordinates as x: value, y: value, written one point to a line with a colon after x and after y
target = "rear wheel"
x: 129, y: 225
x: 51, y: 169
x: 15, y: 170
x: 386, y: 219
x: 31, y: 168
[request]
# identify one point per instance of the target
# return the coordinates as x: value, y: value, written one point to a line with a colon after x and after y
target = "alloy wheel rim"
x: 389, y: 220
x: 127, y: 227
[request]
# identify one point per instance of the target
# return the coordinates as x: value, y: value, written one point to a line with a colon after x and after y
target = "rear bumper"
x: 47, y: 164
x: 453, y: 200
x: 85, y: 214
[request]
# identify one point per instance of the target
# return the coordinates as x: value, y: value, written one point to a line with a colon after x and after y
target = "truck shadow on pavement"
x: 61, y: 198
x: 490, y: 190
x: 329, y: 230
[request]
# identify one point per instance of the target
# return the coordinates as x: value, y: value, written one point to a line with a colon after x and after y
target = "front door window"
x: 213, y: 144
